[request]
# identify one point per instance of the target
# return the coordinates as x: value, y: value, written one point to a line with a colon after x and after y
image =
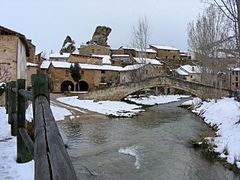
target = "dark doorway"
x: 82, y: 86
x: 66, y: 86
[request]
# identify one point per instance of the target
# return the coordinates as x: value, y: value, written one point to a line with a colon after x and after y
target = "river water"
x: 152, y: 145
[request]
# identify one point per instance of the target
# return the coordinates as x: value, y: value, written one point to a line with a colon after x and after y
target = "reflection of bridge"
x: 121, y: 91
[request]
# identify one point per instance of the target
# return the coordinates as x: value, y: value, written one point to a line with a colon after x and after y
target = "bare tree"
x: 140, y: 41
x: 206, y: 37
x: 231, y: 10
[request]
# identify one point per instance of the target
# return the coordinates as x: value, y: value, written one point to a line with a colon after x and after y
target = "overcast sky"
x: 48, y: 22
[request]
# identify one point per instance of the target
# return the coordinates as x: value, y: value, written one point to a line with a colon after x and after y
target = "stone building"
x: 85, y: 59
x: 188, y: 72
x: 14, y: 51
x: 234, y: 75
x: 89, y: 49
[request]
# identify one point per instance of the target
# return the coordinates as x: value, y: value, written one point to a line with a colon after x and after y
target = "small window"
x: 236, y: 85
x: 191, y: 76
x: 173, y: 57
x: 233, y: 73
x: 67, y: 73
x: 103, y: 71
x: 236, y: 78
x: 236, y: 72
x: 82, y: 72
x: 166, y: 57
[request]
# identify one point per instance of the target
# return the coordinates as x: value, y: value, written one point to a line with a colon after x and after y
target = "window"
x: 166, y: 57
x: 173, y: 57
x: 236, y: 78
x: 236, y: 85
x: 103, y: 71
x: 82, y: 72
x: 236, y: 72
x: 191, y: 76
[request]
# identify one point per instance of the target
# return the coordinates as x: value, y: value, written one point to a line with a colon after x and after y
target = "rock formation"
x: 68, y: 46
x: 100, y: 36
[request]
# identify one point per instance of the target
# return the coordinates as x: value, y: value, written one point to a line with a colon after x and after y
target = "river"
x: 156, y: 141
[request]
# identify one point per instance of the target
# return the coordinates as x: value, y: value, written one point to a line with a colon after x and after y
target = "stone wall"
x: 93, y: 49
x: 84, y: 59
x: 8, y: 55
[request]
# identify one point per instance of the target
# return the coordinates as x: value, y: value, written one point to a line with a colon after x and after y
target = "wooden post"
x: 12, y: 108
x: 22, y: 151
x: 6, y: 98
x: 39, y: 87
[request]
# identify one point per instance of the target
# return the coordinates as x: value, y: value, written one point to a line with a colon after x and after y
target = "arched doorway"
x: 66, y: 86
x: 82, y: 86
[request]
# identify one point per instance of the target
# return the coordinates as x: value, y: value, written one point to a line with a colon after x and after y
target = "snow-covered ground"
x: 9, y: 169
x: 154, y: 100
x: 115, y: 108
x: 225, y: 113
x: 58, y: 113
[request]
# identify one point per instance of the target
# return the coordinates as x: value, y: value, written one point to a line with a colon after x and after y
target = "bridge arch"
x: 166, y: 86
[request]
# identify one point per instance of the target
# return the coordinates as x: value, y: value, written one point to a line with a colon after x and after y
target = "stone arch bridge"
x: 119, y: 92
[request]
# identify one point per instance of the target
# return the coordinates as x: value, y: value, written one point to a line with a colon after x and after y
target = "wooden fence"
x: 51, y: 159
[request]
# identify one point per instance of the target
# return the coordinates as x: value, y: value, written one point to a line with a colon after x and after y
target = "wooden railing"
x: 51, y: 159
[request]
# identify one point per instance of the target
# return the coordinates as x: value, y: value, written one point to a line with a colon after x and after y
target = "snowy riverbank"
x: 155, y: 100
x: 112, y: 108
x: 225, y: 114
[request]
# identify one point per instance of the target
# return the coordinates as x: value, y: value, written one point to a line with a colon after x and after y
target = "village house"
x: 188, y: 73
x: 121, y: 60
x: 14, y: 51
x: 234, y: 75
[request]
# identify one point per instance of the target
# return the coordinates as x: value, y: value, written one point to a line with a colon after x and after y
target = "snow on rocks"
x: 225, y: 113
x: 154, y: 100
x: 194, y: 102
x: 132, y: 151
x: 114, y: 108
x: 9, y: 168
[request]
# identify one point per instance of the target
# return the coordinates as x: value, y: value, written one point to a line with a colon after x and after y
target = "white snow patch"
x: 9, y: 168
x: 154, y: 100
x: 58, y: 113
x: 195, y: 101
x: 132, y: 151
x: 115, y: 108
x: 225, y: 113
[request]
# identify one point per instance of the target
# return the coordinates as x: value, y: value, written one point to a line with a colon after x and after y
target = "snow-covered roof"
x: 147, y: 61
x: 140, y: 50
x: 191, y: 69
x: 58, y: 55
x: 181, y: 72
x: 235, y: 69
x: 120, y: 55
x: 106, y: 59
x: 165, y: 47
x: 45, y: 64
x: 31, y: 64
x: 151, y: 50
x: 67, y: 65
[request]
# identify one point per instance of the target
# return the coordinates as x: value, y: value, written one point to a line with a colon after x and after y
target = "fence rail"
x: 47, y: 148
